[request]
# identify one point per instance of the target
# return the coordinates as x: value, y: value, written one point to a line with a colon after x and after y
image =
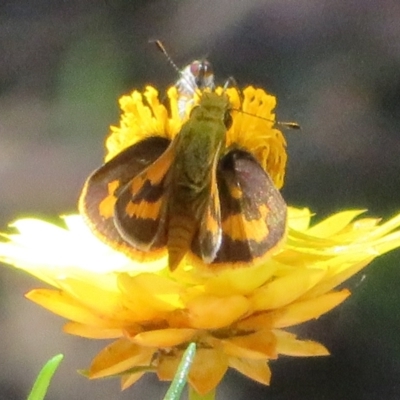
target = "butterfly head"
x: 198, y: 75
x: 203, y: 74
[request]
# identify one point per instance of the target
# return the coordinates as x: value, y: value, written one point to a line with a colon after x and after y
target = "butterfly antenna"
x: 288, y: 125
x: 231, y: 81
x: 163, y: 50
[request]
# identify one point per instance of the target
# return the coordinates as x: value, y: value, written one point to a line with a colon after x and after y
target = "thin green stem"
x: 177, y: 385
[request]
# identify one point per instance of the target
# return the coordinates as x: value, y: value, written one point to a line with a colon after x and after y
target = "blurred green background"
x: 335, y: 67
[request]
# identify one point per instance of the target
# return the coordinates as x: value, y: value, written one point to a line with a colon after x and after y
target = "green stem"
x: 193, y: 395
x: 177, y: 385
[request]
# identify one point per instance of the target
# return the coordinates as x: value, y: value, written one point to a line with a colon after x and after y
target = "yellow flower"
x: 236, y: 317
x: 143, y: 116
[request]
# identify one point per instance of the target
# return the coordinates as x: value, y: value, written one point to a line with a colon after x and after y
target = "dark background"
x: 335, y: 67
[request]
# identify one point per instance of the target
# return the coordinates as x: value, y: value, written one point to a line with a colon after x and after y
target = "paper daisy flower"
x: 237, y: 317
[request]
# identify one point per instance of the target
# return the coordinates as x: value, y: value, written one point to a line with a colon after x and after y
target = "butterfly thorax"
x: 200, y: 142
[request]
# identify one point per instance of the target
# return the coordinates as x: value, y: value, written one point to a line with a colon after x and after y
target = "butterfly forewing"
x: 141, y: 207
x: 104, y: 186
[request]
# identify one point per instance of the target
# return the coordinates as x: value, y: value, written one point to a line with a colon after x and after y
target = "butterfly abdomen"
x: 181, y: 229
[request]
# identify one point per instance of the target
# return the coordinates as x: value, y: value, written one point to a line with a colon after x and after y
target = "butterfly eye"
x: 201, y: 70
x: 207, y: 68
x: 228, y: 119
x: 195, y: 68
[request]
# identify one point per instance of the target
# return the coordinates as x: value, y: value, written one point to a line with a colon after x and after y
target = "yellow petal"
x: 99, y: 300
x: 257, y: 346
x: 299, y: 218
x: 387, y: 243
x: 64, y: 305
x: 163, y: 337
x: 258, y: 370
x: 129, y: 380
x: 50, y: 252
x: 336, y: 276
x: 357, y: 230
x: 213, y: 312
x: 334, y: 224
x: 309, y: 309
x: 151, y: 290
x: 177, y: 319
x: 382, y: 230
x: 239, y: 280
x: 167, y: 365
x: 284, y: 290
x: 256, y: 322
x: 288, y: 344
x: 140, y: 297
x: 118, y: 357
x: 208, y: 368
x: 364, y: 224
x: 172, y: 94
x: 91, y: 332
x: 141, y: 311
x: 12, y: 253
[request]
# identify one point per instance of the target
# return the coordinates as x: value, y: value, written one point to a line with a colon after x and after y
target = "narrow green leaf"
x: 177, y: 385
x: 42, y: 382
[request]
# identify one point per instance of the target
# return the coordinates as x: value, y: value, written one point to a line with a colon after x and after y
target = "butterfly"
x: 190, y: 197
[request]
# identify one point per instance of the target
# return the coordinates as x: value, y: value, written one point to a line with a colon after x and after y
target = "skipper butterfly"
x: 192, y: 196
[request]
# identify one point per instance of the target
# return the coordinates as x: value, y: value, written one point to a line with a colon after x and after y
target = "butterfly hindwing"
x: 253, y: 212
x: 103, y: 187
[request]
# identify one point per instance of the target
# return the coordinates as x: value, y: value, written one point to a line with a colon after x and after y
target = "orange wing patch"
x: 150, y: 210
x: 106, y: 206
x: 241, y: 229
